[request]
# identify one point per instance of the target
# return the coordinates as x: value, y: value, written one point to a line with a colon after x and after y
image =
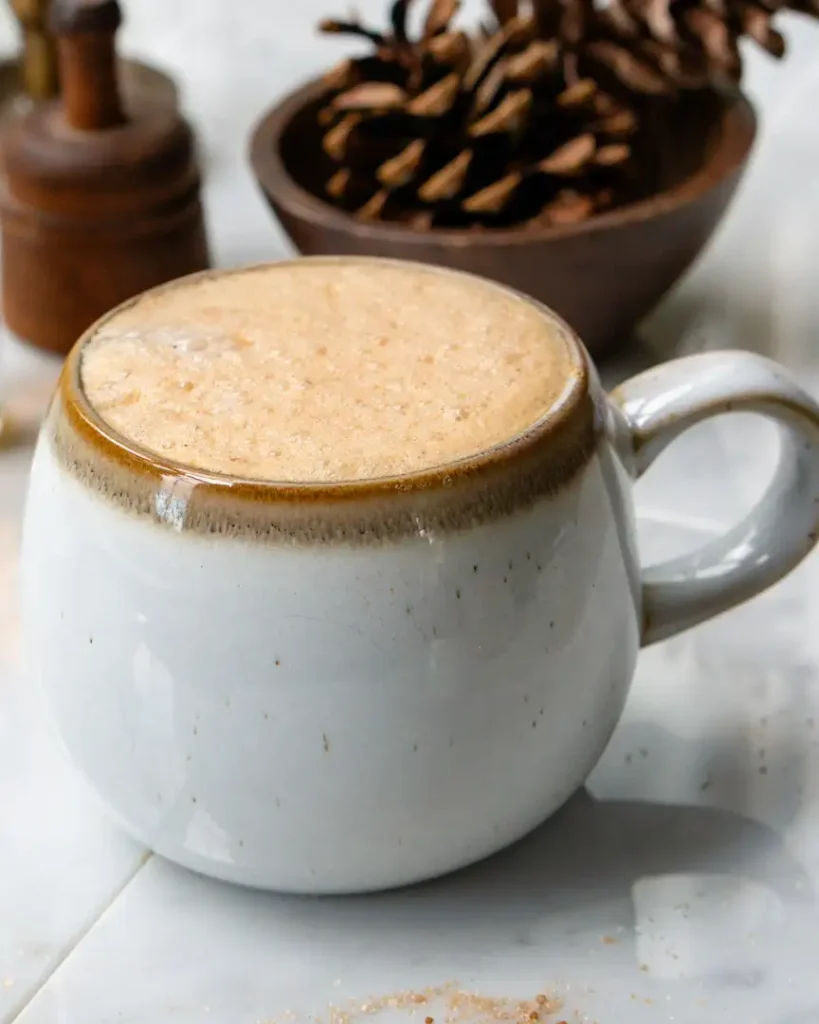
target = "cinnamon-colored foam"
x: 325, y: 371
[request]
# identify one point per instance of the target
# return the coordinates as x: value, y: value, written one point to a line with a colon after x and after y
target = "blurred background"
x: 233, y: 59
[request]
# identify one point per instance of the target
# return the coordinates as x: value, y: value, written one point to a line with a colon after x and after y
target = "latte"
x: 325, y: 371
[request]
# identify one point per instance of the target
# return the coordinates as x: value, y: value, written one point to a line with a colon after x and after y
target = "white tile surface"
x: 682, y: 888
x: 60, y: 863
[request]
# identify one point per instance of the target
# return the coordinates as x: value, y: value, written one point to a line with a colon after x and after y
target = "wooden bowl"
x: 603, y: 275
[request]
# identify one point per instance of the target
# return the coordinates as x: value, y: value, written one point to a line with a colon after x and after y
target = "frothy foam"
x: 325, y: 371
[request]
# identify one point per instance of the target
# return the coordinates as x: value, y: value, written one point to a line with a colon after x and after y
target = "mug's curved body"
x: 348, y: 686
x: 386, y: 689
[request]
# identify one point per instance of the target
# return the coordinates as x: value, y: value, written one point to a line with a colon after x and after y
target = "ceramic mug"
x: 347, y: 687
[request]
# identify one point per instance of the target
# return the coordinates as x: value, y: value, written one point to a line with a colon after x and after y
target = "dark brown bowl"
x: 603, y: 275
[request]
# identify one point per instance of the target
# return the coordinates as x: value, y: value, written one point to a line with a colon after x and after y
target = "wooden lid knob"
x: 85, y: 32
x: 75, y: 17
x: 38, y: 62
x: 32, y: 13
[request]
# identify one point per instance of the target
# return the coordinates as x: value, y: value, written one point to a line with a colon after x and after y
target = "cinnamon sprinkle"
x: 457, y: 1005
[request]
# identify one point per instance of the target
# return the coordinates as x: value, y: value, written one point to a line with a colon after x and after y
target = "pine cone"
x: 449, y: 130
x: 660, y: 46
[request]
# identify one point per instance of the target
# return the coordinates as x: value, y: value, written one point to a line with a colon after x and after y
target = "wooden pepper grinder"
x: 96, y: 204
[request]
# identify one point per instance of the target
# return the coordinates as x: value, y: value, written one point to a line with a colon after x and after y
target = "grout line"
x: 73, y: 943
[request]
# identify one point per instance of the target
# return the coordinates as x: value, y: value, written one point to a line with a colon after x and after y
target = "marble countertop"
x: 681, y: 885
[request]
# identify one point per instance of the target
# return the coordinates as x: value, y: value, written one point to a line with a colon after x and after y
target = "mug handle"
x: 657, y: 406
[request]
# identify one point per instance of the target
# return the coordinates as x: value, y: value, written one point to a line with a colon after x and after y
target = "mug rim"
x: 568, y: 412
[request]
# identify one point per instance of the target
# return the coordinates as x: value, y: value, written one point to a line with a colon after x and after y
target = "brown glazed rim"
x: 728, y: 155
x: 571, y: 409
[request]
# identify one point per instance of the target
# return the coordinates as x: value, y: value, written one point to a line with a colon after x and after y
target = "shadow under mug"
x: 354, y: 686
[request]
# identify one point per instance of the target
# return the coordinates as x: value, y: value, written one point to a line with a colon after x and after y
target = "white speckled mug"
x: 345, y: 687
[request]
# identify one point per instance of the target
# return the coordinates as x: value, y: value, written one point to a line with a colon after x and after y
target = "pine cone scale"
x: 493, y: 198
x: 448, y: 182
x: 635, y: 74
x: 571, y: 158
x: 437, y: 100
x: 756, y: 22
x: 508, y: 116
x: 370, y: 96
x: 337, y: 140
x: 400, y: 170
x: 441, y: 13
